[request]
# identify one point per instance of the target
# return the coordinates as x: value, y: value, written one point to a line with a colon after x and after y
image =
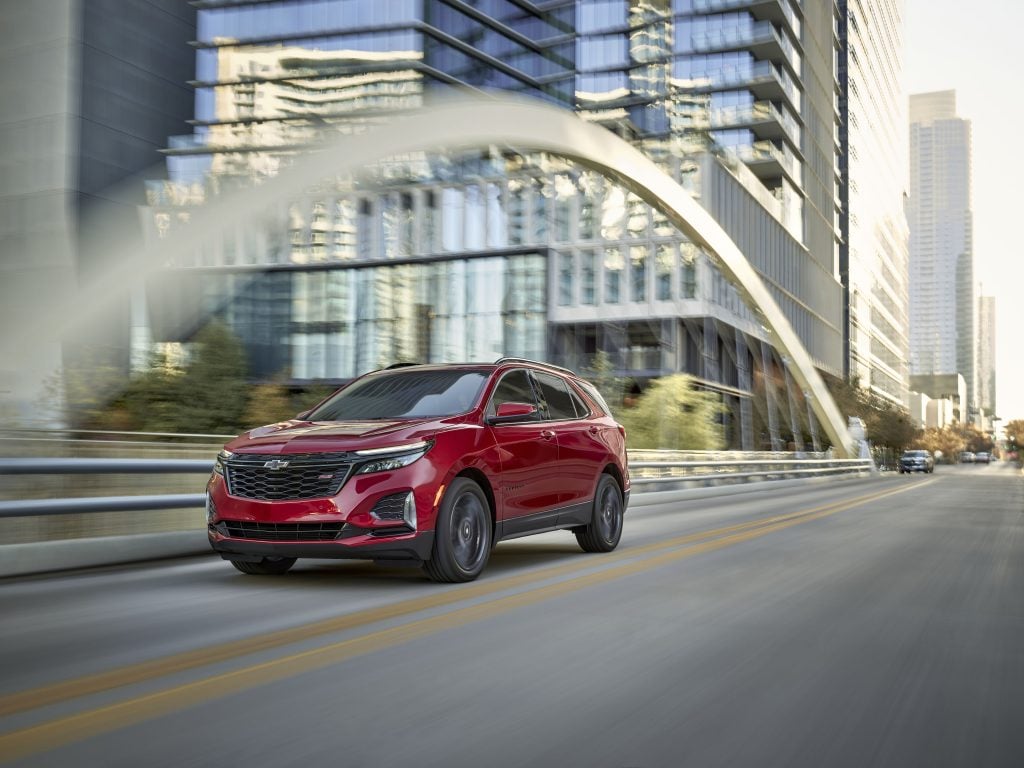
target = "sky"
x: 975, y: 48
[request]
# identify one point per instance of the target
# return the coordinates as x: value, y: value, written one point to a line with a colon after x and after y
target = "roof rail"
x: 399, y: 365
x: 501, y: 360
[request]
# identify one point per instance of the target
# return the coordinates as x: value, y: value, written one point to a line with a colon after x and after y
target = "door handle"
x: 547, y: 434
x: 593, y: 429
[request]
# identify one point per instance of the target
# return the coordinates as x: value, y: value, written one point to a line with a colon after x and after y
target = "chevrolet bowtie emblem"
x: 275, y: 464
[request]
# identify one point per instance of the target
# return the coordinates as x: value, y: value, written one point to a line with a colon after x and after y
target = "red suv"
x: 426, y: 463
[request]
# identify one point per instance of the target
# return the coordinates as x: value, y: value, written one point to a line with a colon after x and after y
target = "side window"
x: 581, y: 408
x: 514, y: 387
x: 556, y: 394
x: 591, y: 390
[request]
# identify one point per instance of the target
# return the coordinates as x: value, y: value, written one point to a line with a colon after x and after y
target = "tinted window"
x: 554, y: 391
x: 404, y: 394
x: 596, y: 396
x: 514, y: 387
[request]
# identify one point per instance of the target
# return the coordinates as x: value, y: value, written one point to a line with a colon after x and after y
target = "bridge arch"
x: 525, y: 125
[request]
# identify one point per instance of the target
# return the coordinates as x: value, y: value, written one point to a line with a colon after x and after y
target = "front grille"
x: 247, y: 529
x: 297, y: 476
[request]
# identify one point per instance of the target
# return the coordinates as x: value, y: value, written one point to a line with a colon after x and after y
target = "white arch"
x: 522, y: 125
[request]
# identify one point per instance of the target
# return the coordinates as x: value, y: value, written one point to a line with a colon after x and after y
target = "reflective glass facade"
x: 435, y: 257
x: 875, y: 251
x: 943, y: 311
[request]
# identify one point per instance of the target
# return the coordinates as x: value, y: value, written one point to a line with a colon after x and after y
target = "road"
x: 871, y: 622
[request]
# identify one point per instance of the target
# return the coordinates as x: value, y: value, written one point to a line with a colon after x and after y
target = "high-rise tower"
x: 943, y: 312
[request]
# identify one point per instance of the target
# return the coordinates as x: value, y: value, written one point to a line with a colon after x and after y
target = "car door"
x: 528, y: 452
x: 581, y: 453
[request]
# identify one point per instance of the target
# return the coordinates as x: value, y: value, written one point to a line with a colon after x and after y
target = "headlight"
x: 398, y: 456
x: 218, y: 463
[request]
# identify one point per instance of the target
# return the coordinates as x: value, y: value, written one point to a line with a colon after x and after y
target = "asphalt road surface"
x: 874, y: 622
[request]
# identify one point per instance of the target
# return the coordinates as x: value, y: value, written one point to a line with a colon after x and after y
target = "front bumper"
x: 413, y: 546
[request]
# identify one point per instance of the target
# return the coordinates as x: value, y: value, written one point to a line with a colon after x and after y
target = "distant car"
x: 431, y: 464
x: 917, y: 461
x: 967, y: 457
x: 982, y: 458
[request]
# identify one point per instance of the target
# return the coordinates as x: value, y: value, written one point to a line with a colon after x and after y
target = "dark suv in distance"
x: 426, y: 463
x: 917, y: 461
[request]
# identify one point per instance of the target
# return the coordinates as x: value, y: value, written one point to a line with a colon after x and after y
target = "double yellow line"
x: 49, y: 735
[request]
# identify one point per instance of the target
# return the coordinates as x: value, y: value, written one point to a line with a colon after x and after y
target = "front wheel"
x: 605, y: 528
x: 268, y: 566
x: 462, y: 535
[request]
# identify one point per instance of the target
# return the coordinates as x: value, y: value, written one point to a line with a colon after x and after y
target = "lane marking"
x: 50, y: 735
x: 99, y: 682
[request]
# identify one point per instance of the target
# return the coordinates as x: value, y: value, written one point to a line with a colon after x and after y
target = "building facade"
x: 874, y: 252
x: 987, y: 355
x: 90, y: 92
x: 439, y: 257
x: 943, y: 310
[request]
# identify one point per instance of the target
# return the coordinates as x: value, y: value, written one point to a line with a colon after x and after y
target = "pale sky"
x: 975, y: 49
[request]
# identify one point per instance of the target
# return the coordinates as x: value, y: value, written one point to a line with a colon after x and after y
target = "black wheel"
x: 268, y: 566
x: 605, y: 529
x: 462, y: 535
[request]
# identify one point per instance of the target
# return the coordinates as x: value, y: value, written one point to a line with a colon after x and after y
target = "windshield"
x: 916, y: 454
x: 404, y: 395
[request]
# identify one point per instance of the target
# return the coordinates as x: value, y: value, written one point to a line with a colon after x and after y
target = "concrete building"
x: 874, y: 249
x: 944, y: 386
x: 943, y: 312
x: 90, y: 92
x: 987, y: 355
x: 527, y: 254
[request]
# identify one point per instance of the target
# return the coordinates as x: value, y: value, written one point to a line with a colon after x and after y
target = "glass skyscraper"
x: 439, y: 257
x: 943, y: 311
x: 874, y: 251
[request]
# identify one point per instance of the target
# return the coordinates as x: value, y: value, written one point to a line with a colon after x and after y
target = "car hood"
x: 297, y: 436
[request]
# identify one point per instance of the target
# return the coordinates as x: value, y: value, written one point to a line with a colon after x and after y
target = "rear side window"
x: 560, y: 400
x: 591, y: 390
x: 514, y: 387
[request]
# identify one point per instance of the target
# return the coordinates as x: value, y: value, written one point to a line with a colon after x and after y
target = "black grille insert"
x: 248, y: 529
x: 283, y: 477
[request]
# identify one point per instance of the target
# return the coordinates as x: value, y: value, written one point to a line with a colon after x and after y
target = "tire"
x: 605, y: 529
x: 462, y: 534
x: 268, y: 566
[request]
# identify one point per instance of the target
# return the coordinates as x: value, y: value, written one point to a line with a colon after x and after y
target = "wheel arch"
x: 480, y: 479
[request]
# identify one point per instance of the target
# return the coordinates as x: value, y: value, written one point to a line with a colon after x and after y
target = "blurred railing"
x: 23, y: 496
x: 667, y: 470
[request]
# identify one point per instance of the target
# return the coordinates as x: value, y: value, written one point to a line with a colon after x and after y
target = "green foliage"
x: 213, y: 386
x: 267, y: 404
x: 601, y: 374
x: 888, y: 425
x: 672, y: 414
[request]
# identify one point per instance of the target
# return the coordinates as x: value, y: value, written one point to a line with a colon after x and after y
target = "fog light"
x: 396, y: 508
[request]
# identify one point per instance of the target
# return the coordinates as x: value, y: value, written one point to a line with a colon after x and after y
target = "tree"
x: 213, y: 385
x: 946, y: 444
x: 267, y: 404
x: 601, y: 374
x: 888, y: 425
x: 1014, y: 431
x: 671, y: 413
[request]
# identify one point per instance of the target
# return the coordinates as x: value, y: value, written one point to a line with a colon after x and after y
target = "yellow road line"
x: 50, y: 735
x: 135, y: 673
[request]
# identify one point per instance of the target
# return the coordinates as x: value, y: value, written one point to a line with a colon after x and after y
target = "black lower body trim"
x: 414, y: 548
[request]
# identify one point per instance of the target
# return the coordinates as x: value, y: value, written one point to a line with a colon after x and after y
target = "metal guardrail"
x: 707, y: 470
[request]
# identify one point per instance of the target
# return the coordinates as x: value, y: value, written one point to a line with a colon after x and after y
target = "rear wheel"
x: 462, y: 535
x: 268, y: 566
x: 605, y: 529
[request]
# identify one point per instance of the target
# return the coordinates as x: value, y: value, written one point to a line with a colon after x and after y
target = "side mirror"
x: 510, y: 413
